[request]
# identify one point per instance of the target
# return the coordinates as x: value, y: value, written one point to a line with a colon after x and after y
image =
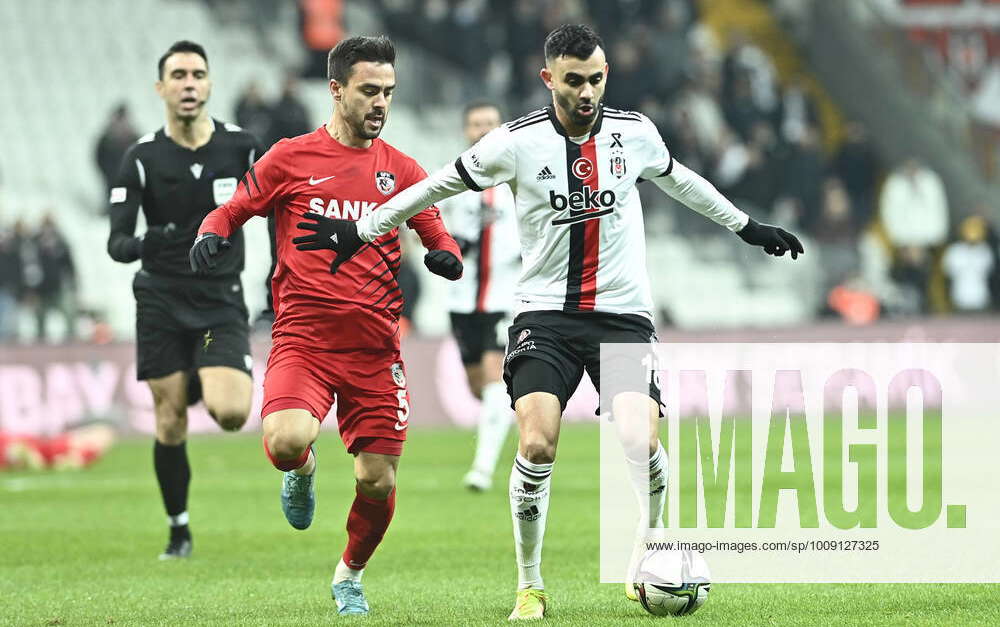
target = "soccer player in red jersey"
x: 336, y: 334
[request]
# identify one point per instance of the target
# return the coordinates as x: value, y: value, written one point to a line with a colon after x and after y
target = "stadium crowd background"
x: 895, y: 225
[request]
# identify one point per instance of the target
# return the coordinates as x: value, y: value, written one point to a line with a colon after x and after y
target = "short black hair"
x: 355, y: 49
x: 479, y: 104
x: 181, y: 46
x: 572, y: 40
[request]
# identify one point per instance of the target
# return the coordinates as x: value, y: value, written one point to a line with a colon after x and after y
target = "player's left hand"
x: 773, y: 239
x: 340, y: 236
x: 444, y: 263
x: 202, y: 255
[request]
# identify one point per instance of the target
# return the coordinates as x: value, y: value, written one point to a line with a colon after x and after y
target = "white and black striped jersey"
x: 583, y: 246
x: 579, y: 216
x: 492, y: 264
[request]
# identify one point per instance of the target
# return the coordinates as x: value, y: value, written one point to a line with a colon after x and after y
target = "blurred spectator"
x: 744, y: 58
x: 740, y: 109
x: 911, y: 271
x: 49, y: 278
x: 797, y: 114
x: 803, y: 167
x: 857, y: 166
x: 968, y: 264
x: 322, y: 24
x: 698, y: 104
x: 524, y: 34
x: 118, y: 135
x: 669, y: 45
x: 289, y: 117
x: 254, y: 114
x: 836, y: 235
x: 631, y: 79
x: 10, y: 283
x: 913, y: 206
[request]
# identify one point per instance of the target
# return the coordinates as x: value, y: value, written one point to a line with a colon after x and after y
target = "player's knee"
x: 537, y: 449
x: 286, y: 445
x: 171, y: 429
x: 376, y: 486
x: 229, y: 416
x: 231, y: 420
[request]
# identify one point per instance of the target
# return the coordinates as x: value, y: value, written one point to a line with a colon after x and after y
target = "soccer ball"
x: 671, y: 583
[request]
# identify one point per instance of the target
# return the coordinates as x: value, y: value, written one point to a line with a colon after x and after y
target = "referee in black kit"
x: 192, y: 335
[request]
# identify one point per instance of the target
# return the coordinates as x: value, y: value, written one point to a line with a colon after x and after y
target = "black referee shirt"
x: 173, y: 184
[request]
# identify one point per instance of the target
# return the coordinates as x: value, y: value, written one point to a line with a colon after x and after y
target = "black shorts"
x: 184, y: 324
x: 477, y: 333
x: 570, y: 343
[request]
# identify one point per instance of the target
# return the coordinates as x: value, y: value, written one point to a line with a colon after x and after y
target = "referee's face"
x: 577, y: 86
x: 185, y: 85
x: 363, y: 101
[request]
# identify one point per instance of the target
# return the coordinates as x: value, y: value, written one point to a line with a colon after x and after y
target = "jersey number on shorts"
x: 403, y: 413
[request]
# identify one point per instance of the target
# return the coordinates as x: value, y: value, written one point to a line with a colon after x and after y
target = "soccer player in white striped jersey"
x: 573, y: 167
x: 484, y: 225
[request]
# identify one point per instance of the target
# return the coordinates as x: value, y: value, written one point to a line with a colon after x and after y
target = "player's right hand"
x: 156, y: 239
x: 206, y: 247
x: 340, y: 236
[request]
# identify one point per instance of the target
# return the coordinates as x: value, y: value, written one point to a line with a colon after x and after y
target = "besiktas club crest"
x: 385, y: 182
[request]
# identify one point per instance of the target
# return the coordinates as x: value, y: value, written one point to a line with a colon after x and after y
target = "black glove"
x: 773, y: 239
x: 340, y: 236
x: 206, y: 247
x: 443, y: 263
x: 465, y: 245
x: 156, y: 239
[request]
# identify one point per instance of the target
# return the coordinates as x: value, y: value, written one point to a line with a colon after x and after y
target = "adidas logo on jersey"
x: 545, y: 175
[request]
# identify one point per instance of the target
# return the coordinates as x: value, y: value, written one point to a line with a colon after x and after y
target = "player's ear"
x: 546, y: 75
x: 335, y: 89
x: 159, y: 88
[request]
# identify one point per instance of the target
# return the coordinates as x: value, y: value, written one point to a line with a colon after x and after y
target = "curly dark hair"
x: 572, y: 40
x: 355, y: 49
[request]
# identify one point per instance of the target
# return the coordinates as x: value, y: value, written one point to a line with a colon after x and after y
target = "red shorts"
x: 373, y: 404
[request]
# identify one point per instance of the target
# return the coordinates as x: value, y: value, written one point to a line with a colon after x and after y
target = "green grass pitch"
x: 80, y: 549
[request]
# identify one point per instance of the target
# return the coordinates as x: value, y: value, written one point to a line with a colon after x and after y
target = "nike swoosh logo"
x: 313, y: 181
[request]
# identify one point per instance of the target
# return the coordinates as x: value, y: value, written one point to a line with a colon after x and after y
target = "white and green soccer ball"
x: 671, y: 583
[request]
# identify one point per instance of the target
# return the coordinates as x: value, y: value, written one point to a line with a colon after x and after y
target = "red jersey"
x: 359, y: 307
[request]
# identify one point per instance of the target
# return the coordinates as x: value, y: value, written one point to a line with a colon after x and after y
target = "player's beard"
x: 578, y: 118
x: 361, y: 128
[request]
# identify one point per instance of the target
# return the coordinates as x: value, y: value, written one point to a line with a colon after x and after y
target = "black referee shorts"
x: 548, y: 351
x: 184, y: 324
x: 476, y: 333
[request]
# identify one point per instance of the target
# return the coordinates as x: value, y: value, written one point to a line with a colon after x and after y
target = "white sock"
x: 309, y: 467
x: 343, y: 572
x: 179, y: 520
x: 529, y: 506
x: 495, y: 418
x: 651, y: 495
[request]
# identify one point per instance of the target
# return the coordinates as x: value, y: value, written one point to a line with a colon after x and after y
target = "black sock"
x: 174, y: 475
